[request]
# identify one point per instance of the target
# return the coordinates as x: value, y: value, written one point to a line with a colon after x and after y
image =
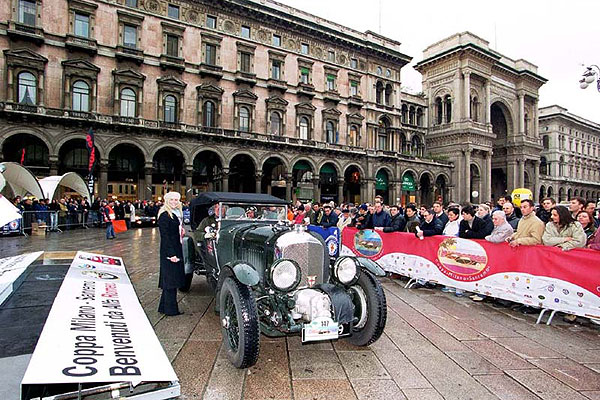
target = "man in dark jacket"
x: 329, y: 218
x: 380, y: 217
x: 473, y: 227
x: 397, y: 221
x: 412, y: 219
x: 511, y: 217
x: 363, y: 219
x: 439, y: 213
x: 430, y: 226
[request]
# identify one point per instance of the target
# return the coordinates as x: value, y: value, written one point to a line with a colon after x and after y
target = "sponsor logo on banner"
x: 368, y: 243
x: 462, y: 259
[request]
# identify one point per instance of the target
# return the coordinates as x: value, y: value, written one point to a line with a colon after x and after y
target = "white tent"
x: 21, y: 181
x: 70, y: 180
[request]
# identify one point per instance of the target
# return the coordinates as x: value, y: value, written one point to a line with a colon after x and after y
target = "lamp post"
x: 589, y: 76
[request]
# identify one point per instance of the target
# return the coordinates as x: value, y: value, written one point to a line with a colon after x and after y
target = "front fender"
x: 244, y: 272
x: 371, y: 266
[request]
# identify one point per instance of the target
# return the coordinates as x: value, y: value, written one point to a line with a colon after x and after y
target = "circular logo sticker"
x: 462, y: 259
x: 368, y: 243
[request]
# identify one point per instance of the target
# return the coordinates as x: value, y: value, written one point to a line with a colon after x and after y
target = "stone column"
x: 103, y: 179
x: 370, y: 190
x: 467, y: 169
x: 53, y: 164
x: 189, y: 171
x: 288, y: 187
x: 258, y: 178
x: 340, y: 191
x: 467, y: 95
x: 521, y: 165
x: 488, y: 104
x: 536, y: 121
x: 148, y: 170
x: 536, y: 180
x: 316, y: 189
x: 511, y: 175
x: 521, y: 114
x: 488, y: 176
x: 225, y: 179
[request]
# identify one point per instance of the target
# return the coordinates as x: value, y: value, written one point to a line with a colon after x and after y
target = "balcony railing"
x: 82, y: 43
x: 130, y: 53
x: 140, y: 123
x: 23, y: 31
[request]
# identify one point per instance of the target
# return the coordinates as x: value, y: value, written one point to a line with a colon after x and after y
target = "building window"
x: 27, y: 11
x: 170, y: 109
x: 211, y: 22
x: 330, y: 82
x: 304, y: 75
x: 353, y: 140
x: 82, y: 25
x: 173, y: 11
x: 304, y: 128
x: 208, y: 111
x: 382, y: 142
x: 128, y: 100
x: 546, y: 142
x: 131, y: 3
x: 330, y: 132
x: 245, y: 62
x: 388, y: 95
x: 27, y: 88
x: 304, y: 48
x: 379, y: 92
x: 130, y: 36
x: 172, y: 45
x: 277, y: 40
x: 353, y: 63
x: 81, y: 96
x: 379, y: 70
x: 276, y: 70
x: 244, y: 119
x: 246, y: 32
x: 353, y: 88
x: 211, y: 54
x: 411, y: 116
x: 448, y: 104
x: 439, y: 111
x: 331, y: 56
x: 275, y: 123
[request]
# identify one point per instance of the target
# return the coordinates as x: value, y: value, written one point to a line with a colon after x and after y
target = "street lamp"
x: 589, y: 76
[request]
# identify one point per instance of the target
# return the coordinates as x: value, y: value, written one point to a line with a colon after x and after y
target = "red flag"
x: 22, y: 155
x: 89, y: 141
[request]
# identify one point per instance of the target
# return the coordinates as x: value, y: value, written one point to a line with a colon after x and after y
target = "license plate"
x: 322, y: 328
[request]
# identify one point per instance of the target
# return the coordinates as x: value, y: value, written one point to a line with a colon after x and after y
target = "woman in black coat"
x: 172, y: 273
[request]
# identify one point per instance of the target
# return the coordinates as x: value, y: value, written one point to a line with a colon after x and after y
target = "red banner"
x: 536, y: 275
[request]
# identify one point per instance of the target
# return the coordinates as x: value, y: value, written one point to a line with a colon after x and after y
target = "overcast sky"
x: 556, y: 35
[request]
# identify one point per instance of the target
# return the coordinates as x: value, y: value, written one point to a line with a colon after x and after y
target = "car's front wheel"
x: 370, y: 310
x: 239, y: 323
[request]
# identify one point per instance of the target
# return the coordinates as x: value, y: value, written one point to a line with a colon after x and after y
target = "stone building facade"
x: 483, y: 116
x: 570, y: 159
x: 234, y: 95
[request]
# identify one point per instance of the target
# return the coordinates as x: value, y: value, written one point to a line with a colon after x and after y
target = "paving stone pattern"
x: 435, y: 345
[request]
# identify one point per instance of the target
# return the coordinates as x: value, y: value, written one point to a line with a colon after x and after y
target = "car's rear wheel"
x: 370, y: 310
x: 239, y: 323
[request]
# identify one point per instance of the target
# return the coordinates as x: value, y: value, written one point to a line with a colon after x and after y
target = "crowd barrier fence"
x: 538, y: 276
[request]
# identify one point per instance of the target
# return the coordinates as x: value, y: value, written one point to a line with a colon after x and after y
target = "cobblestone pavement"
x: 435, y: 345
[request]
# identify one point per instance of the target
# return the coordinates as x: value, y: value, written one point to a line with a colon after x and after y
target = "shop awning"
x: 381, y: 180
x: 408, y: 182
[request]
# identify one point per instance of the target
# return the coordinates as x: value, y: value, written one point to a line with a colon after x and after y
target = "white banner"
x: 8, y: 212
x: 97, y: 331
x: 11, y: 269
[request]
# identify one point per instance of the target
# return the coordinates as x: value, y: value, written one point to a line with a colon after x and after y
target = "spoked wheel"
x: 239, y: 323
x: 370, y: 310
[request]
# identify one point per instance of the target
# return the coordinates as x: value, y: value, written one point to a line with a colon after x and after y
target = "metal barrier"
x: 36, y: 222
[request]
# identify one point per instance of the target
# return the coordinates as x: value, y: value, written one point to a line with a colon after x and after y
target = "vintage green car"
x: 276, y: 278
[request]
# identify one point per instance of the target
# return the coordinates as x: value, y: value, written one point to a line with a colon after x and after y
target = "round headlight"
x: 346, y: 270
x: 285, y: 274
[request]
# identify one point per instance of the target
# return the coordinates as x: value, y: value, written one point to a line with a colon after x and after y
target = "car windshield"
x: 231, y: 211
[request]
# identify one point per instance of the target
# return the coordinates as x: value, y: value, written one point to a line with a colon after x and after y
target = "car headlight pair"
x: 346, y: 270
x: 285, y: 275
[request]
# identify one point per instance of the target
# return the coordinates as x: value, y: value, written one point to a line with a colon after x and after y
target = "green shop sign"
x: 408, y: 183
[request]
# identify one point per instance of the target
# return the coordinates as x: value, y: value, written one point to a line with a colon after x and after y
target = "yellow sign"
x: 521, y: 194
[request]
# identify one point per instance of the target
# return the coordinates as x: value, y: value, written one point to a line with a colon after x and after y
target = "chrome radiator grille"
x: 307, y: 251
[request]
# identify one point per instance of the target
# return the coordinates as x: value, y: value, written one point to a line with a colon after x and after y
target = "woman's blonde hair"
x: 167, y: 208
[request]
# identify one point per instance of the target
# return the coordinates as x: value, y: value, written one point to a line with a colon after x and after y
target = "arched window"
x: 353, y: 136
x: 244, y: 119
x: 208, y: 114
x: 170, y: 109
x: 439, y: 111
x: 128, y: 100
x: 419, y: 117
x: 81, y: 96
x: 404, y: 114
x: 561, y: 167
x: 403, y: 144
x: 27, y: 88
x: 379, y: 93
x: 382, y: 134
x: 330, y: 132
x: 415, y: 145
x: 388, y: 95
x: 474, y: 108
x: 411, y: 116
x: 304, y: 128
x: 276, y: 124
x: 546, y: 142
x: 543, y: 166
x: 448, y: 105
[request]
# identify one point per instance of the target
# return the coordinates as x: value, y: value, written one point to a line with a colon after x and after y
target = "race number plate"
x: 322, y: 328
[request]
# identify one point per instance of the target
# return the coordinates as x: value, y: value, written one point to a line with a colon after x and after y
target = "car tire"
x: 188, y: 283
x: 370, y: 310
x: 239, y: 323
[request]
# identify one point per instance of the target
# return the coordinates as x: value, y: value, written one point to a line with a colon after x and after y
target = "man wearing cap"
x: 329, y: 218
x: 363, y: 218
x: 344, y: 219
